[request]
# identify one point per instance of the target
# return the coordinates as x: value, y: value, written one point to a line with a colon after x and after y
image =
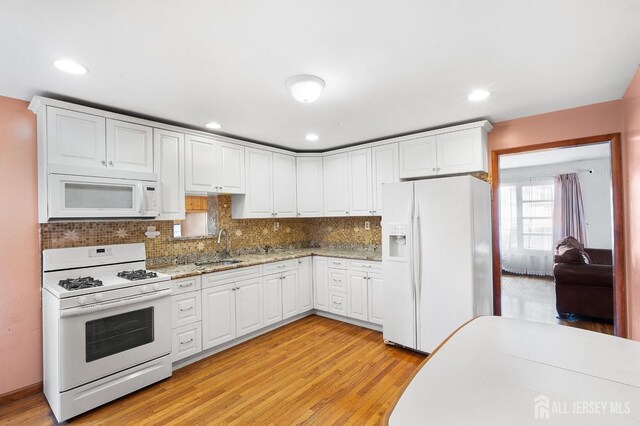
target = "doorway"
x: 543, y: 194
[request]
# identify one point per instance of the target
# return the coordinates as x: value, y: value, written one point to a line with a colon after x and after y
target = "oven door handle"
x: 105, y: 306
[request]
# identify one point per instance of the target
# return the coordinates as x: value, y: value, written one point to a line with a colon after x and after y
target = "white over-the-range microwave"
x: 84, y: 197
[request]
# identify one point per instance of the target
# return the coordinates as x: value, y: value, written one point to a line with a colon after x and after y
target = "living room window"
x: 526, y: 225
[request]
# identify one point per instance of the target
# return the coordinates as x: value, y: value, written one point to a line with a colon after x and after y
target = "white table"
x: 503, y: 371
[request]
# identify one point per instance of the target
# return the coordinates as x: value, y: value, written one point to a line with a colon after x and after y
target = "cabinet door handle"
x: 111, y: 163
x: 104, y: 163
x: 346, y: 212
x: 186, y: 309
x: 188, y: 341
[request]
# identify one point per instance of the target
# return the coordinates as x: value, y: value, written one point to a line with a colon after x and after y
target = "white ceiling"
x: 389, y: 67
x: 553, y: 156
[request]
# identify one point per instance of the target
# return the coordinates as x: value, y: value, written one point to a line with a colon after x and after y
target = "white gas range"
x: 106, y: 325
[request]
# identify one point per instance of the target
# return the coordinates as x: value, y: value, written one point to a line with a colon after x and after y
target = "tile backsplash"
x: 244, y: 234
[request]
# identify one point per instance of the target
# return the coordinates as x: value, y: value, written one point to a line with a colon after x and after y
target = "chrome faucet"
x: 226, y: 246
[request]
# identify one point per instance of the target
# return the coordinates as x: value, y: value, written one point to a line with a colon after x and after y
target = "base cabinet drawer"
x: 187, y: 341
x: 338, y: 303
x: 185, y: 285
x: 185, y: 308
x: 337, y: 280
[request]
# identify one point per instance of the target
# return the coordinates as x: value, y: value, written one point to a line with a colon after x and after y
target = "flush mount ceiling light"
x: 71, y: 67
x: 305, y: 88
x: 478, y: 95
x: 311, y: 137
x: 213, y: 125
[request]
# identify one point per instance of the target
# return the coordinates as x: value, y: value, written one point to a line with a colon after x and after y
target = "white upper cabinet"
x: 418, y: 157
x: 385, y: 170
x: 169, y: 165
x: 270, y: 187
x: 129, y: 146
x: 258, y: 202
x: 360, y: 183
x: 459, y: 151
x: 309, y: 177
x: 200, y: 164
x: 462, y: 151
x: 76, y: 139
x: 284, y: 185
x: 231, y: 168
x: 336, y: 183
x: 213, y: 166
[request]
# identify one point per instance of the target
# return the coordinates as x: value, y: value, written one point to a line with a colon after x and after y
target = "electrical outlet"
x: 367, y: 225
x: 276, y: 226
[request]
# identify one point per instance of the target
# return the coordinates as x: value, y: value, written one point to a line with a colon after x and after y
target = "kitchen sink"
x: 219, y: 262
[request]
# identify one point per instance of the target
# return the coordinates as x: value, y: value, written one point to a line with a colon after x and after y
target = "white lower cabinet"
x: 185, y: 308
x: 338, y: 303
x: 357, y: 302
x: 305, y: 284
x: 186, y: 317
x: 289, y: 283
x: 272, y: 299
x: 248, y: 306
x: 376, y: 299
x: 218, y: 315
x: 320, y: 283
x: 187, y: 341
x: 215, y: 308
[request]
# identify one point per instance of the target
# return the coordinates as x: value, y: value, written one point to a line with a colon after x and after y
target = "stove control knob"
x: 81, y: 300
x: 143, y: 289
x: 99, y: 297
x: 156, y: 286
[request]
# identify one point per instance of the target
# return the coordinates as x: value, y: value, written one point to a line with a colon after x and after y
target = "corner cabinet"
x: 270, y: 186
x: 309, y: 183
x: 460, y: 151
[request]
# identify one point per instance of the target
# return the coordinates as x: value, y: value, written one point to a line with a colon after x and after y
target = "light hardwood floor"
x: 314, y: 371
x: 534, y: 298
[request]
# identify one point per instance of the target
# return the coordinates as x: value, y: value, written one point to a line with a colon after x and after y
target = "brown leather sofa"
x: 585, y: 289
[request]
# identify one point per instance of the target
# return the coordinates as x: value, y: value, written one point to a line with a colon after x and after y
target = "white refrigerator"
x: 436, y: 255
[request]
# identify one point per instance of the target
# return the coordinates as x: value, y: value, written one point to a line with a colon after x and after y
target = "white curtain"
x: 526, y: 222
x: 569, y: 220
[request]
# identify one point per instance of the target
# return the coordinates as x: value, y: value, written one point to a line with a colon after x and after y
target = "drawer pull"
x: 335, y: 262
x: 183, y: 285
x: 337, y: 280
x: 337, y: 303
x: 282, y: 266
x: 187, y: 342
x: 186, y: 309
x: 366, y: 266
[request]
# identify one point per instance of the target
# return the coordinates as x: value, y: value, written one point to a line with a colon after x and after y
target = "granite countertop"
x: 191, y: 269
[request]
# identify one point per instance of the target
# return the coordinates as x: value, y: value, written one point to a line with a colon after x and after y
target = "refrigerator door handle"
x: 417, y: 255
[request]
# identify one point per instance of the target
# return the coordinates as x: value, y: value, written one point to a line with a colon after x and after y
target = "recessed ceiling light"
x: 478, y: 95
x: 213, y: 125
x: 71, y: 67
x: 312, y: 137
x: 305, y: 88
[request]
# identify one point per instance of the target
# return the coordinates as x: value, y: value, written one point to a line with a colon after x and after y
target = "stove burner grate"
x: 140, y: 274
x: 79, y: 283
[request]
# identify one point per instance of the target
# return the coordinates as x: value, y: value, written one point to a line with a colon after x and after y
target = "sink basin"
x: 219, y: 262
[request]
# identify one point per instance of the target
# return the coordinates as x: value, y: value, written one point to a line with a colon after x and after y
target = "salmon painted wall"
x: 631, y: 164
x: 20, y: 318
